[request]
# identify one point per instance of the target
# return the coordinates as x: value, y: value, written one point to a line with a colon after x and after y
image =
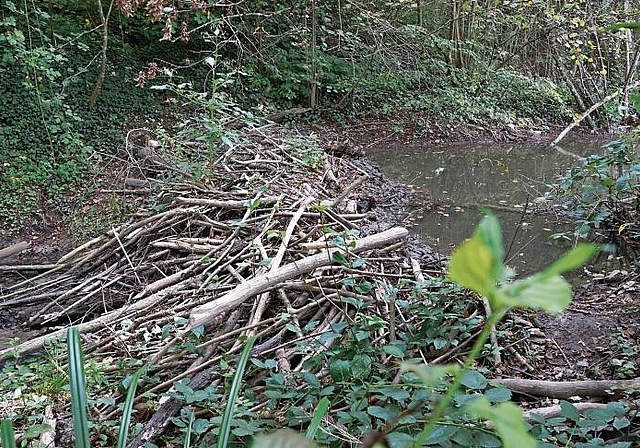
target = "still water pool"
x: 504, y: 178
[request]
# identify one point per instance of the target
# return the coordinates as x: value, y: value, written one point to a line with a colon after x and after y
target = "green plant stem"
x: 437, y: 414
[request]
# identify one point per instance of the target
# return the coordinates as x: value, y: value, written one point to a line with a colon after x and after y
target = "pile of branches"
x: 262, y: 245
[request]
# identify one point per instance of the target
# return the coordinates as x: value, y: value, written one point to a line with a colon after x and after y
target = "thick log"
x: 567, y: 389
x: 208, y: 312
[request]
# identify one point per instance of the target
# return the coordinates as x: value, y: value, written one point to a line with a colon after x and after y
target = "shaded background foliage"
x: 496, y: 63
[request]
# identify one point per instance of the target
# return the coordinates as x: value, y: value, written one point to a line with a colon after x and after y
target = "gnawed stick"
x: 207, y: 312
x: 566, y: 389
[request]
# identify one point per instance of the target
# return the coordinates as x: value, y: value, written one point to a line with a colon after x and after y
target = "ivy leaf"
x: 508, y: 421
x: 440, y: 434
x: 569, y: 411
x: 339, y: 258
x: 340, y: 370
x: 474, y: 380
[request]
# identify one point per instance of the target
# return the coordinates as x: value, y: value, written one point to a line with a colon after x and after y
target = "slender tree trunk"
x: 313, y: 81
x: 103, y: 52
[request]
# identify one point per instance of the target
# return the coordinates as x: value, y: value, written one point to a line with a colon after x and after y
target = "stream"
x: 503, y: 177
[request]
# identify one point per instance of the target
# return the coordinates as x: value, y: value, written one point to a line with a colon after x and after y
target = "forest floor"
x: 595, y: 339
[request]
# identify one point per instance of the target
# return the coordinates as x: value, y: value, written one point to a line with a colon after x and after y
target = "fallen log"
x: 548, y: 412
x: 14, y: 249
x: 209, y: 311
x: 567, y: 389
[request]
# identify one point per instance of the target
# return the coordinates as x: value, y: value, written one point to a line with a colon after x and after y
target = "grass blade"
x: 128, y: 406
x: 78, y: 389
x: 318, y: 414
x: 187, y: 437
x: 225, y: 427
x: 7, y: 437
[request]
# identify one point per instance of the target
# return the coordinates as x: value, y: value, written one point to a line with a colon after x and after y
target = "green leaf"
x: 488, y: 231
x: 225, y: 427
x: 361, y: 366
x: 550, y: 294
x: 498, y: 394
x: 621, y: 422
x: 339, y: 258
x: 318, y: 415
x: 364, y: 288
x: 573, y: 259
x: 78, y: 389
x: 474, y: 380
x: 128, y: 406
x: 634, y: 26
x: 471, y: 266
x: 380, y: 412
x: 340, y: 370
x: 7, y: 436
x: 34, y: 431
x: 440, y: 434
x: 508, y: 421
x: 569, y: 411
x: 394, y: 351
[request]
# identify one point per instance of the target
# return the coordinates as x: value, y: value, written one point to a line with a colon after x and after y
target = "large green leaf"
x: 7, y: 436
x: 550, y: 294
x: 477, y: 264
x: 508, y: 421
x: 471, y: 265
x: 128, y: 407
x: 489, y: 232
x: 318, y: 415
x: 225, y: 426
x: 575, y: 258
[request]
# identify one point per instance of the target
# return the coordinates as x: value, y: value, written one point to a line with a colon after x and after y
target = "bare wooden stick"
x: 223, y: 204
x: 588, y: 112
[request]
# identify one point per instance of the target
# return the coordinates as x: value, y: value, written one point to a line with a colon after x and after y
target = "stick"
x: 207, y: 312
x: 588, y: 112
x: 567, y: 389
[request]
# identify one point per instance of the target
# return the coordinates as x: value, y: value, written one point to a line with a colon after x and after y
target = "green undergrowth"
x: 50, y: 140
x: 601, y: 196
x: 347, y: 382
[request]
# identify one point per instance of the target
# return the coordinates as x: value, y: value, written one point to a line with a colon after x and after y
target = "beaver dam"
x: 274, y: 238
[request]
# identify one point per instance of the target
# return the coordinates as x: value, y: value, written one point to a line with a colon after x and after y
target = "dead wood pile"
x: 261, y: 245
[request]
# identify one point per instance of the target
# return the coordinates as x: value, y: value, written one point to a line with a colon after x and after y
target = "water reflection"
x: 505, y: 177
